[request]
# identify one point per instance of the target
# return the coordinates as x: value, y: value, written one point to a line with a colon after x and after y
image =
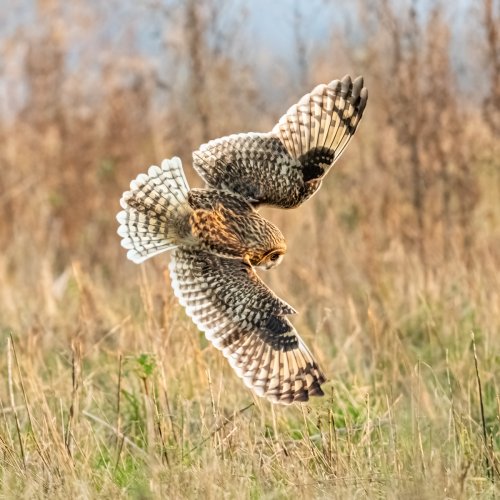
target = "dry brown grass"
x: 108, y: 390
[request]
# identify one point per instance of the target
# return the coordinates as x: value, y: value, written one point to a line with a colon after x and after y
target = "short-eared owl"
x: 219, y: 236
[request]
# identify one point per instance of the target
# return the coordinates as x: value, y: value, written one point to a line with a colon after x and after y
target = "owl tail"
x: 153, y: 211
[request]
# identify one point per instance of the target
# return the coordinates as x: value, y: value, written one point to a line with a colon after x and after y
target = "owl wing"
x: 246, y: 321
x: 285, y: 166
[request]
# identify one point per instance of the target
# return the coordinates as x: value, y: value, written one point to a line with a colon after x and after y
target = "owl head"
x: 266, y: 242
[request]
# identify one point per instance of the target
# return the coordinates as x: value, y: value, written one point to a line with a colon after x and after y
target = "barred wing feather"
x: 285, y: 166
x: 247, y: 322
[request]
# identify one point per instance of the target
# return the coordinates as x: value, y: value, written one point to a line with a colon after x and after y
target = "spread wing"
x: 247, y: 322
x: 285, y: 166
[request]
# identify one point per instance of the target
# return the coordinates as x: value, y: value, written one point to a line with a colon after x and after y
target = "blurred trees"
x: 83, y: 129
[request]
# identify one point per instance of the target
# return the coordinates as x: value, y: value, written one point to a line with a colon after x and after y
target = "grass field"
x: 109, y: 390
x: 106, y: 387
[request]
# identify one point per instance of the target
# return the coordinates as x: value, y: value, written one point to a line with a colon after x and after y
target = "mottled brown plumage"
x: 225, y: 224
x: 218, y: 236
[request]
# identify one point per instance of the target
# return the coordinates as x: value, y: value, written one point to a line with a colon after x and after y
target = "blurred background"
x: 91, y: 94
x: 394, y: 262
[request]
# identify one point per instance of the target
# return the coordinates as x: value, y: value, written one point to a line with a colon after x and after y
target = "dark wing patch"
x: 315, y: 163
x: 285, y: 167
x: 246, y: 321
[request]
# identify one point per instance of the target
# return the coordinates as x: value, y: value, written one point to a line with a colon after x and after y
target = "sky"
x: 267, y: 28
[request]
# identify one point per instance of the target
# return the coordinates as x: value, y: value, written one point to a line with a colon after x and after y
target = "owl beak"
x: 268, y: 265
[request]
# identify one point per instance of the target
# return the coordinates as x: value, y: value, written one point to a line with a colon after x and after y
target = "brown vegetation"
x: 107, y: 389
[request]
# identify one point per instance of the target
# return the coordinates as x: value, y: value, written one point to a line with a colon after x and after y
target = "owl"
x: 219, y: 238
